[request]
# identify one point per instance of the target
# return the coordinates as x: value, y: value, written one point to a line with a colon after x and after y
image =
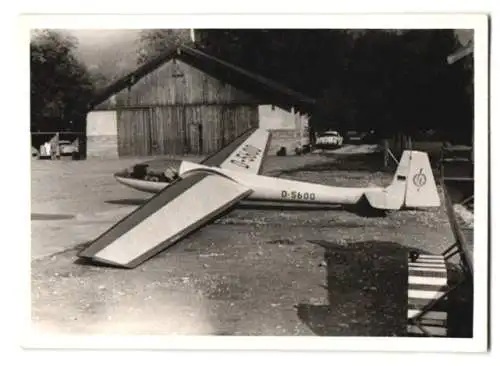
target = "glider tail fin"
x: 413, y: 185
x: 421, y: 190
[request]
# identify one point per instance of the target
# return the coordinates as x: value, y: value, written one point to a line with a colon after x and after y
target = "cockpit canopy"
x: 161, y: 170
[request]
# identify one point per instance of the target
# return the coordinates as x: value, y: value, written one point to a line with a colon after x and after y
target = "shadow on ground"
x: 460, y: 304
x: 372, y: 163
x: 128, y: 201
x: 50, y: 217
x: 367, y: 286
x: 362, y: 209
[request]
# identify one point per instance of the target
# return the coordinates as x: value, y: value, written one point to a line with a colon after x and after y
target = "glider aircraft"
x: 205, y: 191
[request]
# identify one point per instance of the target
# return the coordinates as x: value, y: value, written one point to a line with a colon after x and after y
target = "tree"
x: 303, y: 59
x: 153, y: 42
x: 100, y: 79
x: 391, y: 81
x: 398, y: 82
x: 60, y: 85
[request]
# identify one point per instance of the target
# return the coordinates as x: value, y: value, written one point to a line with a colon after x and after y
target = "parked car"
x: 354, y: 137
x: 66, y: 148
x: 329, y: 139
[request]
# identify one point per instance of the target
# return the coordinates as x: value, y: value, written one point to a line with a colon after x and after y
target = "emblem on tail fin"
x: 423, y: 192
x: 419, y: 179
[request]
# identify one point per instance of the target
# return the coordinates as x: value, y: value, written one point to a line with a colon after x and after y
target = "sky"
x: 99, y: 36
x: 90, y: 36
x: 112, y: 51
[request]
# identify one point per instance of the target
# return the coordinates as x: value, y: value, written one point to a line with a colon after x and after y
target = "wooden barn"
x: 188, y: 102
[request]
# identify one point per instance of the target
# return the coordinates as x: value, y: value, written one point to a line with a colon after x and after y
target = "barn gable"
x: 176, y: 82
x: 253, y: 84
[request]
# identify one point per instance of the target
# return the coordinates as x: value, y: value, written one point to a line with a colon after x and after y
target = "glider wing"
x: 246, y: 153
x: 170, y: 215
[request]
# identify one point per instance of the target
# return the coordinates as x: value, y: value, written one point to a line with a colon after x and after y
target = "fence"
x: 457, y: 180
x: 451, y: 295
x: 396, y: 146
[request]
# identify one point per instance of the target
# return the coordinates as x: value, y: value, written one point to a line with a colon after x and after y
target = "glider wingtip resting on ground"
x: 169, y: 216
x: 203, y: 191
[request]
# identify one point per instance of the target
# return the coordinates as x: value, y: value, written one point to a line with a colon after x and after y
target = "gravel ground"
x: 253, y: 272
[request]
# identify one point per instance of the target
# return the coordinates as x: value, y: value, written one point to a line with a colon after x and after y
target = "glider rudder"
x: 421, y: 189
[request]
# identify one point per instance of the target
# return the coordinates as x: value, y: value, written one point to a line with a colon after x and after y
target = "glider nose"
x: 155, y: 170
x: 137, y: 171
x: 125, y: 173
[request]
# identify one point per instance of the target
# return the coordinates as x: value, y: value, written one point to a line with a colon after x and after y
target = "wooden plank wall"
x: 169, y: 126
x: 222, y: 123
x: 177, y: 83
x: 175, y: 130
x: 133, y: 132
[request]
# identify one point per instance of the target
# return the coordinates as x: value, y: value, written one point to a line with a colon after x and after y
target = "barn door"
x: 181, y: 132
x: 194, y: 126
x: 155, y: 129
x: 134, y: 132
x: 228, y: 124
x: 195, y: 140
x: 211, y: 122
x: 168, y: 130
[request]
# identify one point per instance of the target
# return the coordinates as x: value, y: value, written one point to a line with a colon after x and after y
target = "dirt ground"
x: 253, y: 272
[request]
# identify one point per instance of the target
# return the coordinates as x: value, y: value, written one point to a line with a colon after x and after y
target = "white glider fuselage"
x: 278, y: 190
x: 413, y: 186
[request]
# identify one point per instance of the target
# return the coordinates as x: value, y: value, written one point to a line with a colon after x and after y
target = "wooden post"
x: 441, y: 161
x: 386, y: 153
x: 200, y: 138
x: 58, y: 153
x: 402, y: 144
x: 54, y: 146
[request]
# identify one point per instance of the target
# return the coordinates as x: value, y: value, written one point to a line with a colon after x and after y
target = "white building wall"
x: 275, y: 118
x: 102, y: 134
x: 287, y: 127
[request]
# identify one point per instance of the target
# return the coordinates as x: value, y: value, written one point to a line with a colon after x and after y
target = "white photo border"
x: 478, y: 22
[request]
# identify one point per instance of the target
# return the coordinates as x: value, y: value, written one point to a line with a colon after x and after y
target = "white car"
x: 67, y: 148
x: 329, y: 139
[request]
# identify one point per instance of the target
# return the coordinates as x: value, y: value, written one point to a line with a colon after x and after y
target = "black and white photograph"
x: 309, y: 183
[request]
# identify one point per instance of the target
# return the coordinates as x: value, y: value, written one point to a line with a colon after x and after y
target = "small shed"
x: 188, y: 102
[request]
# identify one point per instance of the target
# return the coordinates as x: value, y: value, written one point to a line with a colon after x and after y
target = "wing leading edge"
x: 246, y: 153
x: 167, y: 217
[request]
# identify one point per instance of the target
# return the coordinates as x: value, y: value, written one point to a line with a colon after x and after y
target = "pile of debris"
x: 465, y: 217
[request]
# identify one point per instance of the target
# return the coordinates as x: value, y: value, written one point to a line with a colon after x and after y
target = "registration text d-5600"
x: 294, y: 195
